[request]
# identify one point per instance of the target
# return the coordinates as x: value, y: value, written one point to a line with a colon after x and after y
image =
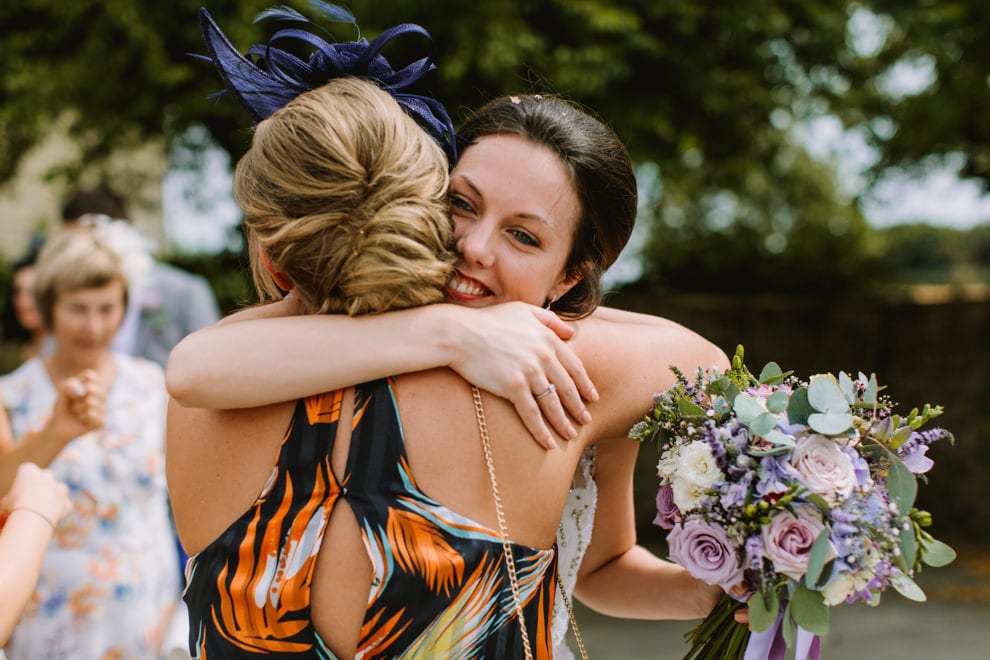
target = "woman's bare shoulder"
x: 612, y: 334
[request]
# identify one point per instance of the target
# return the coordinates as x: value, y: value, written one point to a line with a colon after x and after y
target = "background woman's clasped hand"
x: 80, y: 407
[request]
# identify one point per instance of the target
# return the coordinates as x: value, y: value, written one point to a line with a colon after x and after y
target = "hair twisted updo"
x: 346, y: 195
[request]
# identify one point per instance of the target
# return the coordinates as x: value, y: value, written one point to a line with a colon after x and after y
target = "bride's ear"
x: 281, y: 278
x: 567, y: 282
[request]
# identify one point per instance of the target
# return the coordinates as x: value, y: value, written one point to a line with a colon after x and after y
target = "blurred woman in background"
x: 108, y: 585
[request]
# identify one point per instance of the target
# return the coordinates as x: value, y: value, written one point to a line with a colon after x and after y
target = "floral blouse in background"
x: 109, y: 583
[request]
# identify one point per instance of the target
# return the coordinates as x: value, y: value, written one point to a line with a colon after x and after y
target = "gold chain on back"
x: 510, y: 561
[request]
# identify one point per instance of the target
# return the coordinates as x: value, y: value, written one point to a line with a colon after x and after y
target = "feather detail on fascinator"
x: 269, y: 76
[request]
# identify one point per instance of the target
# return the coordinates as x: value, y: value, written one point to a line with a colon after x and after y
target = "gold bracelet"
x: 35, y: 512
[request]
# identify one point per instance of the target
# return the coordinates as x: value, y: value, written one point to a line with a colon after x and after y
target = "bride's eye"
x: 525, y: 238
x: 458, y: 203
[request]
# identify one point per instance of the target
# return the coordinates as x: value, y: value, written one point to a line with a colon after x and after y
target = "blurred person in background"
x: 22, y: 324
x: 108, y: 586
x: 166, y: 304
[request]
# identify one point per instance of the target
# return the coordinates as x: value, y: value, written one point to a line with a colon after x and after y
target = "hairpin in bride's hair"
x: 269, y: 76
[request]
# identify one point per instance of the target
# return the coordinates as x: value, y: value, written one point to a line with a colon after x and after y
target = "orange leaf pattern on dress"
x: 420, y: 547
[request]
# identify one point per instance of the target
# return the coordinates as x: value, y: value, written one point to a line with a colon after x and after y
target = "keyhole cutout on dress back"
x: 343, y: 574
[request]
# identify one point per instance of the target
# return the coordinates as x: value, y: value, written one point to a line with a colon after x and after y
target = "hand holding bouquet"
x: 791, y: 495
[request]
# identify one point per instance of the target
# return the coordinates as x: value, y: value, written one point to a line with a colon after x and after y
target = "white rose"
x: 694, y: 473
x: 687, y: 495
x: 697, y: 465
x: 827, y: 470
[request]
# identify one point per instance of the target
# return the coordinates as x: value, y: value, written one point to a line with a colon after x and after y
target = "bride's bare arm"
x: 265, y: 355
x: 628, y: 355
x: 620, y: 578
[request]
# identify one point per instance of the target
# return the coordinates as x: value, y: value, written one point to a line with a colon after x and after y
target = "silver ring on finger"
x: 552, y: 388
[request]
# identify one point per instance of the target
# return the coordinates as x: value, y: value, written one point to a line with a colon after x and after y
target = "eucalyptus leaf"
x: 771, y: 374
x: 798, y: 407
x: 826, y: 574
x: 908, y: 588
x: 772, y: 450
x: 817, y: 557
x: 689, y: 408
x: 763, y: 610
x: 777, y: 402
x: 747, y: 408
x: 901, y: 484
x: 908, y: 544
x: 819, y: 503
x: 847, y: 387
x: 870, y: 394
x: 830, y: 423
x: 935, y: 553
x: 824, y: 395
x: 763, y: 424
x: 721, y: 406
x: 809, y: 610
x: 787, y: 625
x: 779, y: 439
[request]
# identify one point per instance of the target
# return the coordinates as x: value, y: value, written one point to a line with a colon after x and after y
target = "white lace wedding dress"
x: 573, y: 537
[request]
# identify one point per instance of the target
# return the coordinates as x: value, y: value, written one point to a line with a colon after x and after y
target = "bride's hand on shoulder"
x: 518, y: 351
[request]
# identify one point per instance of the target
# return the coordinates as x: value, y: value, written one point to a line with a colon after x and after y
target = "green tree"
x: 947, y: 42
x: 708, y: 92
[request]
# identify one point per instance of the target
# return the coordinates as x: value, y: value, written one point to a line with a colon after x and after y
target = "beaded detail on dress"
x: 573, y: 537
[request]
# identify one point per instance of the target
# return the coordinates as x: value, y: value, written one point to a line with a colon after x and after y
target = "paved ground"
x: 954, y: 623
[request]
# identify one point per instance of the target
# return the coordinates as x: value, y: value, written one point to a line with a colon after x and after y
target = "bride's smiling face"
x: 515, y: 212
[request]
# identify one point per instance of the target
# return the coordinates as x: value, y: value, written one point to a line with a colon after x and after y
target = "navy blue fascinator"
x: 269, y: 76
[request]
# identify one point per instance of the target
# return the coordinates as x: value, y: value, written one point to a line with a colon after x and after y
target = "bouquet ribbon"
x: 769, y: 644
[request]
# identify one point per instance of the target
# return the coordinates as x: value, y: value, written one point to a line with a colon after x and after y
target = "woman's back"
x: 411, y: 545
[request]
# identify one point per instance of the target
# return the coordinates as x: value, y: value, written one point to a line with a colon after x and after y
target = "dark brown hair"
x: 600, y: 170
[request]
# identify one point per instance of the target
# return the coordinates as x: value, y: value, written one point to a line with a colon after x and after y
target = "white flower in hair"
x: 118, y: 236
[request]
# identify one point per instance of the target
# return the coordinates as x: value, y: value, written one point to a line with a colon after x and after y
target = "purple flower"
x: 776, y: 475
x: 667, y: 511
x: 734, y: 493
x: 705, y: 551
x: 860, y: 465
x: 916, y: 461
x: 754, y: 552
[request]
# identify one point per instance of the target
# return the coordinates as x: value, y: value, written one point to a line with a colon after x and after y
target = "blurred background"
x: 813, y: 175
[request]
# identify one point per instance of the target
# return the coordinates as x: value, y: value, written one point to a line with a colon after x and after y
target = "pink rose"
x: 788, y: 538
x: 705, y: 551
x: 825, y: 468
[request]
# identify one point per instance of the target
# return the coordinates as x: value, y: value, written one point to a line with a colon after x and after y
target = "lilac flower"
x: 776, y: 475
x: 916, y: 461
x: 734, y: 492
x: 860, y: 465
x: 913, y: 451
x: 753, y: 551
x: 705, y: 551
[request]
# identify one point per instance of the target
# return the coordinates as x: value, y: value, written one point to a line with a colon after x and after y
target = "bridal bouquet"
x: 793, y: 496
